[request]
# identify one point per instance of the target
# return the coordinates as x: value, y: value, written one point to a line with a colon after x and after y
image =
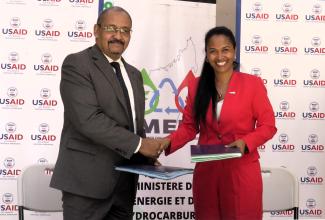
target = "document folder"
x: 160, y: 172
x: 203, y: 153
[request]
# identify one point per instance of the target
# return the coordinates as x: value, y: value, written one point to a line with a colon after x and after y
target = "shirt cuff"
x: 138, y: 147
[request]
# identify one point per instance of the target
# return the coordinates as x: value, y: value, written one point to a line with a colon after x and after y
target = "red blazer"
x: 246, y: 114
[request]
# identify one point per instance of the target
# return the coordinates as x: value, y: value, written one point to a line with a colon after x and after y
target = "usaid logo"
x: 13, y: 67
x: 286, y: 7
x: 311, y: 171
x: 312, y: 145
x: 286, y: 15
x: 316, y: 41
x: 7, y: 208
x: 256, y: 71
x: 42, y: 161
x: 285, y: 74
x: 48, y: 23
x: 46, y: 68
x: 311, y: 203
x: 315, y: 49
x: 286, y: 213
x: 311, y: 177
x: 10, y: 127
x: 9, y: 162
x: 256, y: 46
x: 313, y: 138
x: 80, y: 25
x: 12, y: 92
x: 13, y: 57
x: 286, y: 40
x: 283, y: 146
x: 314, y: 82
x: 14, y: 31
x: 314, y: 106
x: 314, y: 74
x: 257, y: 7
x: 7, y: 198
x: 49, y: 2
x: 43, y: 138
x: 310, y: 210
x: 48, y: 32
x: 285, y: 48
x: 316, y: 15
x: 8, y: 171
x: 46, y: 58
x: 257, y: 14
x: 80, y: 33
x: 317, y: 9
x: 45, y: 93
x: 45, y: 103
x: 12, y: 102
x: 284, y: 113
x: 10, y: 137
x: 283, y: 138
x: 284, y: 106
x: 15, y: 22
x: 257, y: 39
x: 44, y: 128
x: 313, y: 113
x: 81, y: 3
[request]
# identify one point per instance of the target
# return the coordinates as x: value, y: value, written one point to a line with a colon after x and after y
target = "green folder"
x: 204, y: 153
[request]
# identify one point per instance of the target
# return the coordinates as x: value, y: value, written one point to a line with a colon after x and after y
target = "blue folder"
x: 160, y: 172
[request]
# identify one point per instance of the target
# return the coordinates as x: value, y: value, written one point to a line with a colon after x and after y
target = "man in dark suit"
x: 104, y: 101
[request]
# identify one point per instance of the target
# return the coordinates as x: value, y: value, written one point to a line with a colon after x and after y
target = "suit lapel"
x: 103, y: 65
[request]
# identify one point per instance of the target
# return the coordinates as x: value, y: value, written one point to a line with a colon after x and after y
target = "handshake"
x: 153, y: 147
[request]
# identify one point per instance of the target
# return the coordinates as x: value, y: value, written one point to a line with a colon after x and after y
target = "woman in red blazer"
x: 230, y: 108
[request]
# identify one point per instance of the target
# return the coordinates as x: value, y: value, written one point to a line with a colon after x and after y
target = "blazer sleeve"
x: 264, y: 116
x: 187, y: 129
x: 83, y: 111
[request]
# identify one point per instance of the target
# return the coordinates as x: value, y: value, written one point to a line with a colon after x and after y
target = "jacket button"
x: 219, y: 136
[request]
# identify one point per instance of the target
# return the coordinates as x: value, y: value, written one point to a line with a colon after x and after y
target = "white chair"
x: 280, y: 191
x: 34, y: 192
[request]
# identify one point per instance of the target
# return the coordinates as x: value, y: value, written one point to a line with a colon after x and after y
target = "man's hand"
x: 153, y: 147
x: 164, y: 143
x: 150, y: 148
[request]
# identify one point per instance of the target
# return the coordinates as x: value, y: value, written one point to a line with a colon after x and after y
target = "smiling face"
x: 113, y: 44
x: 220, y: 53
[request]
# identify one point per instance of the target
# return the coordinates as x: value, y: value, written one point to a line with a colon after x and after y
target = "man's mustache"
x: 116, y: 41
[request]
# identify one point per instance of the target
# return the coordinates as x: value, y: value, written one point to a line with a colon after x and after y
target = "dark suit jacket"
x: 95, y: 135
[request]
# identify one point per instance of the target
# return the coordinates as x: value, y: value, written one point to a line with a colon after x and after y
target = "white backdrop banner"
x: 283, y: 42
x: 166, y: 45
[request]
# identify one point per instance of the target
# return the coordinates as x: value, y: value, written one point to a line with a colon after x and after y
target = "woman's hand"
x: 240, y: 144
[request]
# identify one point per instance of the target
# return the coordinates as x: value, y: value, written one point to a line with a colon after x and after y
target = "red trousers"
x: 228, y: 190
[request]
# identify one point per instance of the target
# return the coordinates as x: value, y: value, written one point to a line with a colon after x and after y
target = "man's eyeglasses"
x: 113, y: 29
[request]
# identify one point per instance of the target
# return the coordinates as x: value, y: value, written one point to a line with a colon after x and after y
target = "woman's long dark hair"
x: 206, y: 90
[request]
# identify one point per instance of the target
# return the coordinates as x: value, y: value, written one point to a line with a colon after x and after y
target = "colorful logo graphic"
x: 152, y: 93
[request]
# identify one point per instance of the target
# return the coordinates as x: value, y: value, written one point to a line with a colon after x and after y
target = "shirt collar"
x: 111, y: 60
